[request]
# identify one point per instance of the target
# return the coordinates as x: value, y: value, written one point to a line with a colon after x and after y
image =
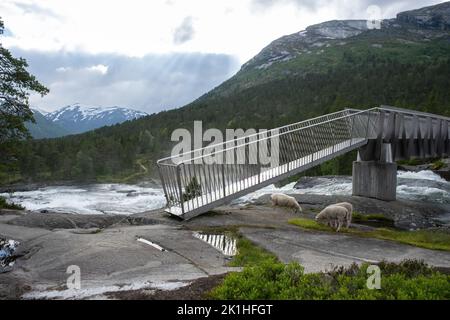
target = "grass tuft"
x: 429, y: 239
x: 250, y: 254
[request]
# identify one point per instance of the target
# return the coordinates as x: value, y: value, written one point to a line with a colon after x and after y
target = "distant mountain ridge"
x: 76, y: 118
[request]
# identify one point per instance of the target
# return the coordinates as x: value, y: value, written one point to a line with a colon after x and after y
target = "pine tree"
x: 15, y: 85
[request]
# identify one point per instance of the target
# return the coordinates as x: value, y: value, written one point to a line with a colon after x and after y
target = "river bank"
x: 114, y: 265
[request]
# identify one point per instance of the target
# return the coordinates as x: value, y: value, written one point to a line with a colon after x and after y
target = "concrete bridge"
x: 198, y: 181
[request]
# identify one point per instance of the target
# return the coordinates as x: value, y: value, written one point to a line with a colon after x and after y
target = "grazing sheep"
x: 282, y: 200
x: 349, y: 208
x: 333, y: 216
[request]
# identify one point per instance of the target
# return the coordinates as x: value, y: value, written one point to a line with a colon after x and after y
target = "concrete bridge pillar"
x: 376, y: 179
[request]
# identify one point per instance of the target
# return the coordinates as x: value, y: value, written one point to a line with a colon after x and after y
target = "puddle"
x: 7, y: 257
x: 95, y: 291
x: 223, y: 243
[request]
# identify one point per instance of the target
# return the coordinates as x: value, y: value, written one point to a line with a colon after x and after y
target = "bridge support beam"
x: 375, y: 179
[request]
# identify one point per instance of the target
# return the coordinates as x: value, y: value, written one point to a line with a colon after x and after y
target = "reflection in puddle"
x: 223, y: 243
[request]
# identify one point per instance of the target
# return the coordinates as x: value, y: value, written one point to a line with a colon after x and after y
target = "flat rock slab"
x: 319, y: 251
x: 21, y: 233
x: 110, y: 260
x: 54, y: 220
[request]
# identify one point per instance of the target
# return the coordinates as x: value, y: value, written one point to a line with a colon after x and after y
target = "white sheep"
x: 333, y: 216
x: 282, y: 200
x: 349, y: 208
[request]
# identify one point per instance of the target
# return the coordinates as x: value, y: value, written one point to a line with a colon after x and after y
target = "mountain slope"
x: 322, y: 46
x: 325, y: 68
x: 44, y: 128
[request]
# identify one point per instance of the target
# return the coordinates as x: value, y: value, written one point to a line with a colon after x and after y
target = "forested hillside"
x: 43, y: 128
x: 399, y: 66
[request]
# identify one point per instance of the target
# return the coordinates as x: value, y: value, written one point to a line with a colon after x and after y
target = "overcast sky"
x: 158, y: 54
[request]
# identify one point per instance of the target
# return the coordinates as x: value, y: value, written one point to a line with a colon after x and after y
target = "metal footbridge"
x: 200, y: 180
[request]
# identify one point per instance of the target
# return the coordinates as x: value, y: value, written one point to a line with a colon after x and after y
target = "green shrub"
x: 274, y: 280
x: 437, y: 165
x: 6, y: 205
x: 192, y: 190
x: 411, y: 162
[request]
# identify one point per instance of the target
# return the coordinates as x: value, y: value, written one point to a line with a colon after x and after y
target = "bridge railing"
x: 202, y: 178
x: 413, y: 134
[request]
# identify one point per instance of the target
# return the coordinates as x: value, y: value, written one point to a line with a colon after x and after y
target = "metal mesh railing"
x: 209, y: 175
x: 199, y: 180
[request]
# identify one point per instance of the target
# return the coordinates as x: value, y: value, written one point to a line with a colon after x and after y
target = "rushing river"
x: 128, y: 199
x: 91, y: 199
x: 418, y: 186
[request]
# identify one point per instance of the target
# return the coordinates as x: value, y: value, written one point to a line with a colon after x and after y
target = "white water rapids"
x: 128, y: 199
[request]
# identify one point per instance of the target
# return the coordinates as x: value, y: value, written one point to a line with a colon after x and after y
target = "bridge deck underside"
x: 267, y: 176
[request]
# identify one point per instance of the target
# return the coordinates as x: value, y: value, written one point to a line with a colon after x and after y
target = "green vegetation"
x: 12, y: 206
x: 412, y: 162
x: 273, y: 280
x: 192, y: 190
x: 437, y: 165
x: 250, y: 254
x: 429, y: 239
x: 309, y: 224
x: 265, y: 277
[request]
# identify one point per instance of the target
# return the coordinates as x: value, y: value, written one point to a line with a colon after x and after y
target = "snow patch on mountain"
x: 80, y: 112
x: 41, y: 111
x: 80, y: 118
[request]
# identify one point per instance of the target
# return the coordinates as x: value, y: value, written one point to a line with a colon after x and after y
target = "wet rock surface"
x: 52, y: 221
x: 196, y: 290
x: 109, y: 256
x: 56, y: 220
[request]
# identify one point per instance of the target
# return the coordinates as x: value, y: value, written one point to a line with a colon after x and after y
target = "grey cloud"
x: 184, y: 32
x: 151, y: 83
x: 7, y: 33
x: 262, y: 5
x: 33, y: 8
x: 356, y: 8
